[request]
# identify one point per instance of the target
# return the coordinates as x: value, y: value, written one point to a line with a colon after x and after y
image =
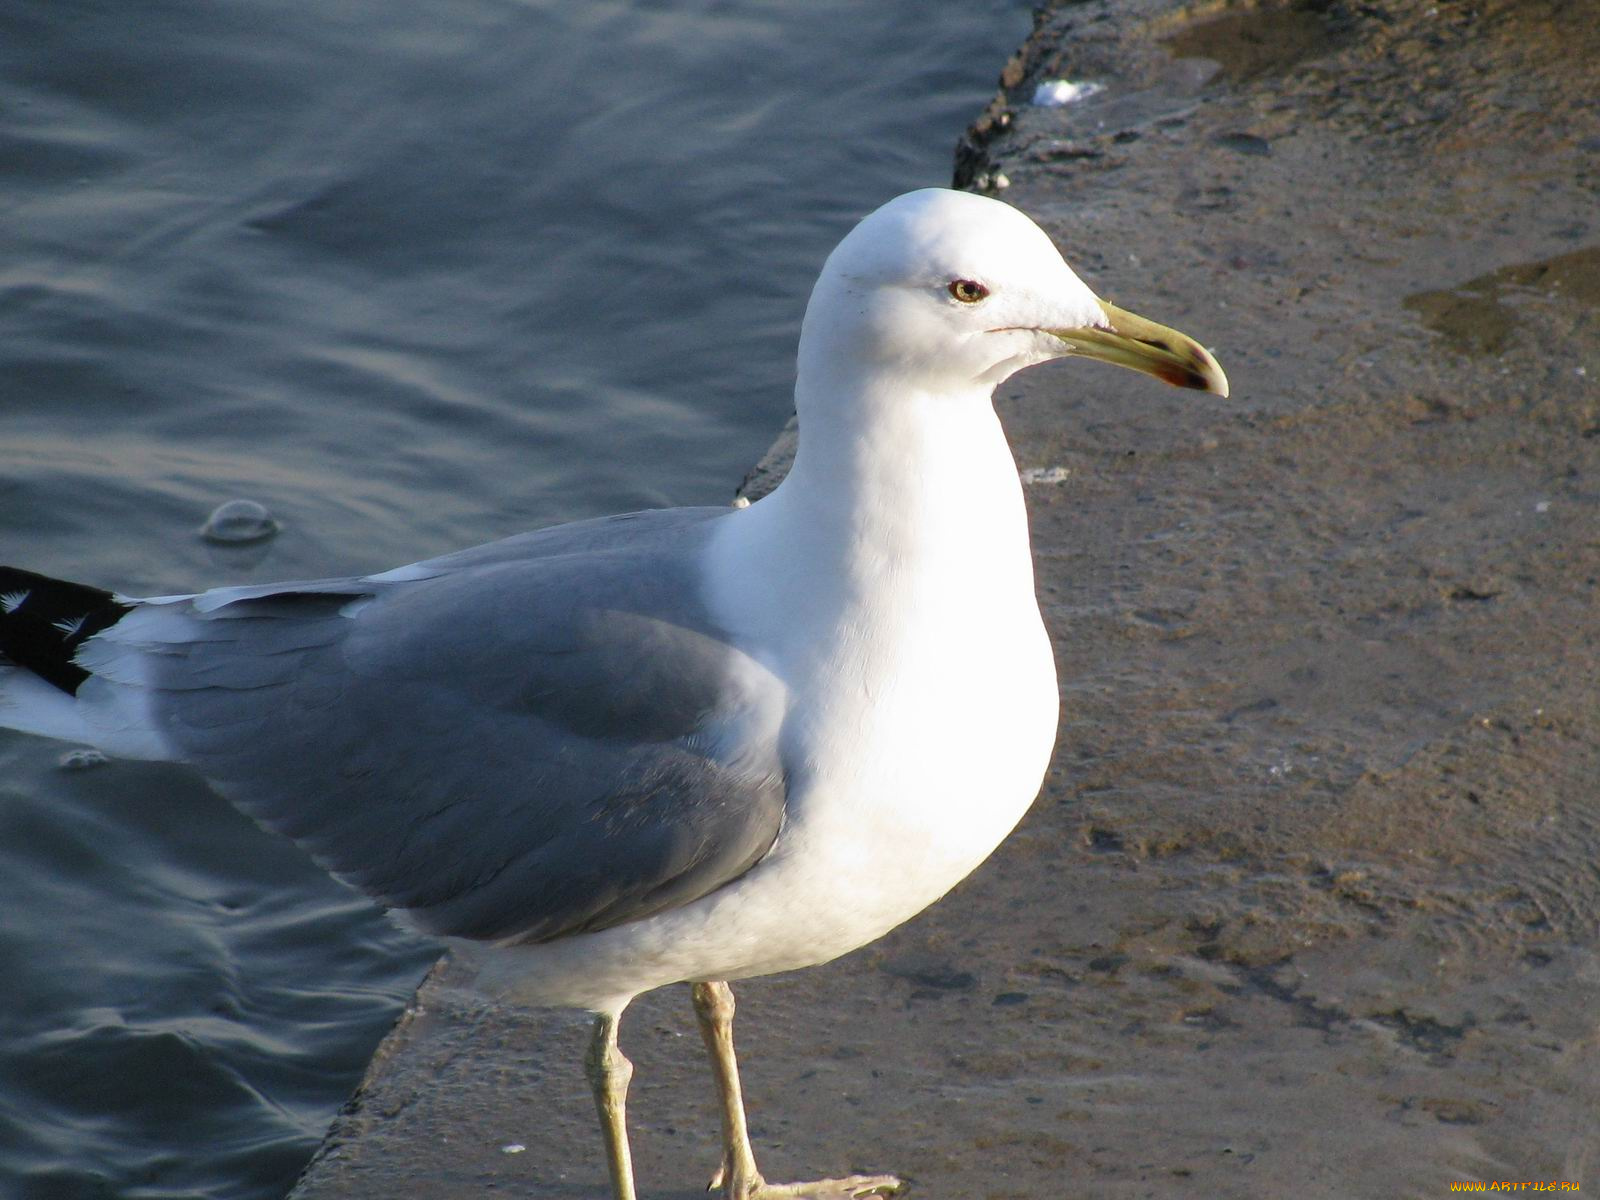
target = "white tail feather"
x: 112, y: 708
x: 31, y: 705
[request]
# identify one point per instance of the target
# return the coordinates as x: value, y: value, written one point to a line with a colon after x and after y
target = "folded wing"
x: 542, y: 736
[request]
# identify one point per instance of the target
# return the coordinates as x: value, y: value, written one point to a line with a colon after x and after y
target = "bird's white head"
x: 949, y: 293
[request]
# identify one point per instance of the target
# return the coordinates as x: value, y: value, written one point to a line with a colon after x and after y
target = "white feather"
x: 70, y: 626
x: 30, y: 704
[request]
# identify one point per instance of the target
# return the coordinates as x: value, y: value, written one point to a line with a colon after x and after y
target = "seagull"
x: 687, y: 745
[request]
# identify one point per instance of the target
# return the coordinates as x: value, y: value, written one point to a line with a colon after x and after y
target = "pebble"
x: 1045, y: 474
x: 1244, y: 143
x: 1057, y: 93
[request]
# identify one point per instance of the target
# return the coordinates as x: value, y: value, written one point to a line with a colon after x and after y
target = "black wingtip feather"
x: 43, y: 621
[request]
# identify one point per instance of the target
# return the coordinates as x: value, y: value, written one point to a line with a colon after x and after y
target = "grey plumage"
x: 521, y: 741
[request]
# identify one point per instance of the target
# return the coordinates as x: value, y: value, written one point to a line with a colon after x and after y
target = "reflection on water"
x: 412, y: 277
x: 1476, y: 318
x: 1258, y: 41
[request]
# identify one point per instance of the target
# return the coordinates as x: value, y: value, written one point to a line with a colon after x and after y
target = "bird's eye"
x: 968, y: 291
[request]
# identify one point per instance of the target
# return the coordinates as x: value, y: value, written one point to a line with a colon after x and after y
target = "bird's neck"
x: 893, y: 492
x: 908, y: 467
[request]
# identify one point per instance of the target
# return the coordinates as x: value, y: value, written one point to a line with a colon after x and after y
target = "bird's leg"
x: 737, y: 1177
x: 713, y: 1008
x: 609, y: 1073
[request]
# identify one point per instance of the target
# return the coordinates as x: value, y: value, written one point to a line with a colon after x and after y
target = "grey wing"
x: 540, y: 737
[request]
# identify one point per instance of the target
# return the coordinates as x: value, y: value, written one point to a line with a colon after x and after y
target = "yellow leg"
x: 737, y: 1177
x: 713, y: 1009
x: 609, y: 1073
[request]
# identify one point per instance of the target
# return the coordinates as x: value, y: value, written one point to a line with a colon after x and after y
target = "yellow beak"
x: 1131, y: 341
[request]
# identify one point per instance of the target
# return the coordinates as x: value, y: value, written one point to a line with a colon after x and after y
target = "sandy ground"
x: 1308, y: 906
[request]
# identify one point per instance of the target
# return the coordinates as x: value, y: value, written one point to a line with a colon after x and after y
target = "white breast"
x: 899, y: 610
x: 909, y: 788
x: 890, y: 591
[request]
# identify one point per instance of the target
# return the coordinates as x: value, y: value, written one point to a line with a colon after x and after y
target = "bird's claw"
x: 851, y: 1187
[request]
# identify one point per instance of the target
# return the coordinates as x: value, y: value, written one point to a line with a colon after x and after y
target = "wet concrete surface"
x: 1309, y: 903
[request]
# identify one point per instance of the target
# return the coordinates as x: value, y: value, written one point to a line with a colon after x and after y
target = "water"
x: 413, y: 276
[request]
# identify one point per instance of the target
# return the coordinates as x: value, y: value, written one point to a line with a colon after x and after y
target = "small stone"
x: 1057, y: 93
x: 1244, y: 143
x: 1045, y: 474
